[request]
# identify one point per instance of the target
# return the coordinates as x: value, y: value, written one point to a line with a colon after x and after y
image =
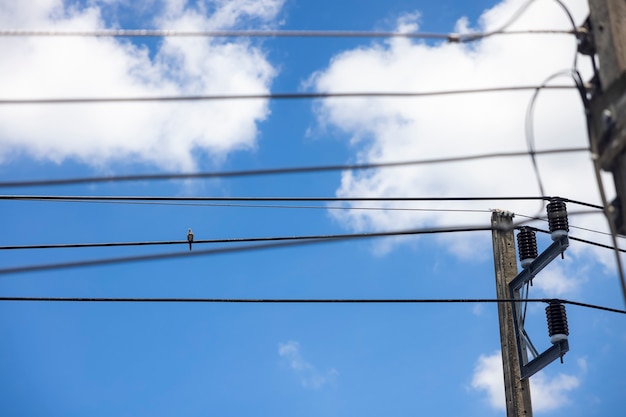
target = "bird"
x: 190, y: 238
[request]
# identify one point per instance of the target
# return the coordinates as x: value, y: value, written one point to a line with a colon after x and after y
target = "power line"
x: 275, y: 243
x: 275, y: 206
x: 450, y: 37
x: 229, y: 240
x: 309, y: 301
x: 102, y: 198
x: 589, y: 242
x: 279, y: 171
x: 325, y: 207
x: 281, y: 96
x: 247, y: 240
x: 571, y: 226
x: 168, y: 33
x: 206, y: 252
x: 294, y: 199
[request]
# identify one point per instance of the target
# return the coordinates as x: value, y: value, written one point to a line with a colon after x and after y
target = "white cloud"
x: 546, y: 393
x: 549, y: 394
x: 167, y: 135
x: 478, y: 309
x: 559, y: 280
x: 310, y: 376
x: 408, y: 129
x: 488, y: 376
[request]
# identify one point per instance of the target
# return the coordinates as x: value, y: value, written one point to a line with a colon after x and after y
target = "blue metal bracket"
x: 547, y: 256
x: 558, y: 349
x: 553, y: 353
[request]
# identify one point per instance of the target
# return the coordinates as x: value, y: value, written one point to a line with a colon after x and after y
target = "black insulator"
x: 526, y: 246
x: 557, y: 322
x: 557, y: 218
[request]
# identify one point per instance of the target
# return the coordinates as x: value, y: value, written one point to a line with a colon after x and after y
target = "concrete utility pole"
x: 517, y: 391
x: 608, y: 102
x: 607, y: 118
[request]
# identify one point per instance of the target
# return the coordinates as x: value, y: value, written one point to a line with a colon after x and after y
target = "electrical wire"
x: 276, y: 206
x: 327, y: 207
x: 450, y: 37
x: 168, y: 33
x: 582, y: 240
x: 275, y: 242
x: 102, y: 198
x: 528, y: 125
x: 310, y: 301
x: 240, y: 248
x: 278, y: 96
x: 253, y: 239
x: 576, y: 30
x: 212, y: 241
x: 273, y: 238
x: 516, y: 15
x: 34, y: 197
x: 279, y: 171
x: 571, y: 226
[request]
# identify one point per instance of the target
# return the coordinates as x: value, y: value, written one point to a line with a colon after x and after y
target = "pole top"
x: 502, y: 213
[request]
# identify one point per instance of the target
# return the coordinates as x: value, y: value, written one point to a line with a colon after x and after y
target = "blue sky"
x: 69, y: 359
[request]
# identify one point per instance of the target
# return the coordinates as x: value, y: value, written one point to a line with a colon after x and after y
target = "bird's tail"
x: 189, y: 245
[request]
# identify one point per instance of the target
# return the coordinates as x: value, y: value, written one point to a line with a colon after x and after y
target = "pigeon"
x: 190, y: 238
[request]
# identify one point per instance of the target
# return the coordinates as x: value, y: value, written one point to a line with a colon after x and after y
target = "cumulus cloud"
x: 559, y: 280
x: 166, y: 135
x: 382, y: 129
x: 546, y: 393
x: 310, y: 376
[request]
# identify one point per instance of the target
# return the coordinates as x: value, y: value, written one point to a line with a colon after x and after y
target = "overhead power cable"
x: 76, y: 198
x: 240, y: 248
x: 279, y: 171
x: 309, y: 301
x: 169, y: 33
x: 450, y: 37
x: 213, y: 241
x: 275, y: 243
x: 280, y: 96
x: 246, y: 240
x: 589, y: 242
x: 284, y: 206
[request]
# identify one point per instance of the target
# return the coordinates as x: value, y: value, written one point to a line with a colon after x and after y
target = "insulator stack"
x: 557, y: 322
x: 526, y: 246
x: 557, y: 218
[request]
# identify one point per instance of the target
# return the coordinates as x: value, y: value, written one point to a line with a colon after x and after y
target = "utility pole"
x: 607, y: 40
x: 607, y: 109
x: 517, y: 391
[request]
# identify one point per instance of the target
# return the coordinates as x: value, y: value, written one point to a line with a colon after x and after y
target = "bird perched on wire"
x: 190, y: 238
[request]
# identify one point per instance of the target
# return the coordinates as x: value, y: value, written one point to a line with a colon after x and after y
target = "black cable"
x: 234, y: 240
x: 239, y: 240
x: 102, y: 198
x: 294, y: 199
x: 530, y: 140
x: 276, y: 245
x: 582, y: 203
x: 277, y: 171
x: 275, y: 206
x: 310, y: 301
x: 229, y: 240
x: 276, y: 96
x: 518, y: 13
x: 577, y: 239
